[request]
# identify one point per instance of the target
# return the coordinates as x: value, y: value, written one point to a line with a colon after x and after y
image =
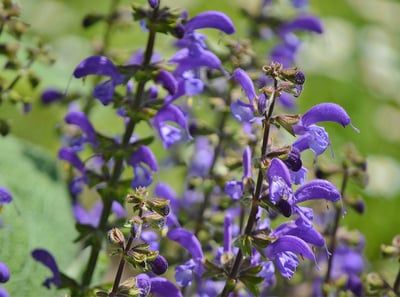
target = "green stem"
x: 252, y: 218
x: 88, y: 274
x: 396, y: 285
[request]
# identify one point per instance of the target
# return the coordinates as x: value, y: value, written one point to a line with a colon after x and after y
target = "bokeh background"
x: 355, y: 63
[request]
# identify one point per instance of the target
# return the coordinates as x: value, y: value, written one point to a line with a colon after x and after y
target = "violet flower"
x: 100, y: 65
x: 281, y: 193
x: 142, y: 175
x: 69, y: 155
x: 51, y: 95
x: 81, y: 120
x: 315, y: 137
x: 143, y: 283
x: 202, y: 158
x: 170, y: 134
x: 184, y: 273
x: 44, y: 257
x: 5, y: 196
x: 3, y: 292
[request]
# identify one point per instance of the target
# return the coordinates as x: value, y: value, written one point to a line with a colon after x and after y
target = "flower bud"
x: 115, y: 236
x: 4, y: 273
x: 154, y: 3
x: 159, y: 265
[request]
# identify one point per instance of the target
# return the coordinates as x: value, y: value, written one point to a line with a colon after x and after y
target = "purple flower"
x: 211, y: 19
x: 154, y: 3
x: 188, y: 84
x: 170, y: 134
x: 315, y: 137
x: 5, y: 196
x: 143, y: 283
x: 69, y: 155
x: 202, y: 157
x: 283, y: 251
x: 3, y: 292
x: 100, y: 65
x: 80, y: 119
x: 44, y: 257
x: 301, y: 23
x: 159, y: 265
x: 247, y: 84
x: 4, y: 273
x: 164, y: 288
x: 167, y: 80
x: 281, y: 193
x: 142, y: 175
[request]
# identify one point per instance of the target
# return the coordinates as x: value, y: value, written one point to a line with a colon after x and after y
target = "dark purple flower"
x: 301, y: 23
x: 247, y: 84
x: 167, y: 80
x: 187, y: 240
x: 51, y: 95
x: 100, y: 65
x: 170, y: 134
x: 142, y: 175
x: 159, y: 265
x: 81, y: 120
x: 44, y: 257
x: 5, y: 196
x: 4, y: 273
x: 154, y: 3
x: 3, y: 292
x: 164, y: 288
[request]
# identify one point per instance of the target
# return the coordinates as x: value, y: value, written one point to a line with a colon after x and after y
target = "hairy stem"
x: 252, y: 218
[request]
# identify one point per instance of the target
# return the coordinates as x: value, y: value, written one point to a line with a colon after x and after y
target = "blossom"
x: 81, y: 120
x: 143, y: 283
x: 47, y: 259
x: 5, y: 196
x: 51, y: 95
x: 170, y: 134
x: 202, y: 157
x: 100, y: 65
x: 142, y: 175
x: 164, y: 288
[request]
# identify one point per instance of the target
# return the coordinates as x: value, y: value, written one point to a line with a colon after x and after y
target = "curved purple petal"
x: 289, y: 243
x: 309, y: 235
x: 304, y: 22
x: 242, y: 112
x: 168, y: 81
x: 325, y: 112
x: 104, y: 91
x: 234, y: 189
x: 80, y: 119
x: 5, y: 195
x: 187, y: 240
x: 211, y: 19
x: 278, y: 168
x: 247, y: 84
x: 51, y: 95
x: 143, y: 155
x: 99, y: 65
x: 247, y: 162
x: 164, y: 288
x: 317, y: 189
x: 142, y: 177
x: 47, y: 259
x: 68, y: 154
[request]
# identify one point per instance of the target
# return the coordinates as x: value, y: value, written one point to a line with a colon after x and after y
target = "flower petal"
x: 143, y: 283
x: 5, y: 195
x: 304, y: 22
x: 289, y: 243
x: 187, y: 240
x: 68, y: 154
x: 164, y: 288
x: 211, y: 19
x: 325, y: 112
x: 99, y: 65
x: 278, y: 168
x: 167, y: 80
x: 80, y: 119
x: 47, y: 259
x: 317, y: 189
x: 247, y: 84
x: 4, y: 273
x: 143, y: 155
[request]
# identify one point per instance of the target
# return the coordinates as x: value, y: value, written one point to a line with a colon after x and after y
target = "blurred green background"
x: 355, y: 63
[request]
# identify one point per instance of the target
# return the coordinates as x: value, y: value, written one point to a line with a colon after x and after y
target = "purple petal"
x: 153, y: 3
x: 99, y: 65
x: 104, y: 91
x: 317, y: 189
x: 305, y: 22
x: 242, y: 112
x: 247, y: 84
x: 5, y: 195
x: 68, y: 154
x: 138, y: 57
x: 299, y: 3
x: 88, y: 217
x: 143, y: 155
x: 44, y: 257
x: 143, y: 283
x: 80, y: 119
x: 278, y: 169
x: 202, y: 157
x: 247, y: 162
x: 164, y: 288
x: 3, y: 292
x: 287, y: 263
x: 289, y: 243
x: 142, y: 177
x: 163, y: 190
x: 169, y: 134
x: 211, y: 19
x: 168, y: 81
x: 118, y: 209
x: 309, y: 235
x: 4, y: 273
x: 234, y: 189
x: 227, y: 233
x: 325, y: 112
x: 159, y: 265
x: 187, y: 240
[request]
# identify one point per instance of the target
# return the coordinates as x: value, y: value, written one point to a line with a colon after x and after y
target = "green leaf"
x: 251, y: 282
x: 40, y: 216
